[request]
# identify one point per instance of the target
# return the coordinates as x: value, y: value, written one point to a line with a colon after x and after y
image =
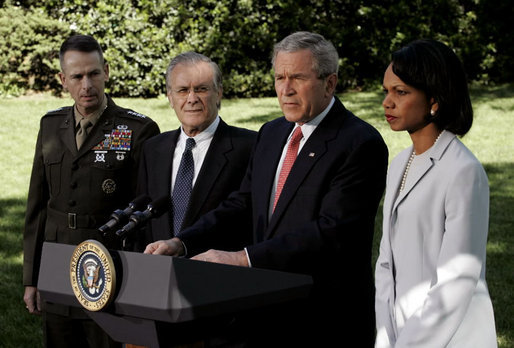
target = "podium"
x: 162, y: 300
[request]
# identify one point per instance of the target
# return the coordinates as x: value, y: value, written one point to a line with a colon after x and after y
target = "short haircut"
x: 194, y: 58
x: 81, y: 43
x: 433, y: 68
x: 326, y: 59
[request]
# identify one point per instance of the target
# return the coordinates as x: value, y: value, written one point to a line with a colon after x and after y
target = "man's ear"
x: 330, y: 86
x: 62, y: 77
x: 106, y: 71
x: 220, y: 95
x: 170, y: 99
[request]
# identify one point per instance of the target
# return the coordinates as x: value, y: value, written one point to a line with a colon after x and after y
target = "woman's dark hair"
x: 81, y: 43
x: 435, y: 69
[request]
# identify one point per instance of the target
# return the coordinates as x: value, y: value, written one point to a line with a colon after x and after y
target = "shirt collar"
x: 204, y: 135
x: 309, y: 127
x: 94, y: 117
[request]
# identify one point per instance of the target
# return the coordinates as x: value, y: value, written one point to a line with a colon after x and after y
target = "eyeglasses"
x: 184, y: 92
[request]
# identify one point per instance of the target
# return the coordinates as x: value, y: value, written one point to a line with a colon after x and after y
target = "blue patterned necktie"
x: 183, y: 186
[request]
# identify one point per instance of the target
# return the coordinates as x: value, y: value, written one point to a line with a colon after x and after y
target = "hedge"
x: 141, y: 36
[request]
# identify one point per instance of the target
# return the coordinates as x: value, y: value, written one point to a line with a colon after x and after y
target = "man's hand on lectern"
x: 172, y: 247
x: 236, y: 258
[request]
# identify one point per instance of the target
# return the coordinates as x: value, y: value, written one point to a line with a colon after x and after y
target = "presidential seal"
x: 92, y: 275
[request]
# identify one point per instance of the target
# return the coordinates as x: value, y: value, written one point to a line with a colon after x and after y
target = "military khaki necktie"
x: 82, y: 132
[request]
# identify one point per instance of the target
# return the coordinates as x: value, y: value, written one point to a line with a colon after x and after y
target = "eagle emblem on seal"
x: 90, y: 278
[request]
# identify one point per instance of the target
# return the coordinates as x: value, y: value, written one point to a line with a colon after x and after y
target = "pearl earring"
x: 432, y: 112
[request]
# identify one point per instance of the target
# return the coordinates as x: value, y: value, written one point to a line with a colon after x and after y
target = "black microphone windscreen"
x: 140, y: 201
x: 160, y: 205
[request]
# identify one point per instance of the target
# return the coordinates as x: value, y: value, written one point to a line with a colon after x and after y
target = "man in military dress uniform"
x: 85, y: 167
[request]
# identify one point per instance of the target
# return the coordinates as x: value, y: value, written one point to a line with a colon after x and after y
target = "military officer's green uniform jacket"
x: 71, y: 192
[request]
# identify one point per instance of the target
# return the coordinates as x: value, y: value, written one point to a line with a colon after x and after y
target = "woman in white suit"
x: 430, y: 274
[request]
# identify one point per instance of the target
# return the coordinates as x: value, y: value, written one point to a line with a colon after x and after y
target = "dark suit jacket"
x: 221, y: 173
x: 323, y: 224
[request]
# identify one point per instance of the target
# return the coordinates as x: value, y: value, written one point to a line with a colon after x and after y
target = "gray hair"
x: 326, y: 59
x: 194, y: 58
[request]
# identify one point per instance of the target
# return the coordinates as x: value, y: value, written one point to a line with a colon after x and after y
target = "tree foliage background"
x: 141, y: 36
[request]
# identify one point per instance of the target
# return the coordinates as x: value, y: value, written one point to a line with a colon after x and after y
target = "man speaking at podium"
x: 309, y: 199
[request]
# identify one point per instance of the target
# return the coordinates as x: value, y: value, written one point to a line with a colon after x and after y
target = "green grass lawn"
x: 490, y: 139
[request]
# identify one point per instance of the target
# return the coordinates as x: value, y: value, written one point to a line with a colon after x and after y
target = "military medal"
x: 119, y: 139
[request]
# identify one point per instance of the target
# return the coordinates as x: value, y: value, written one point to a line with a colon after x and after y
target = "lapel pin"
x: 312, y: 154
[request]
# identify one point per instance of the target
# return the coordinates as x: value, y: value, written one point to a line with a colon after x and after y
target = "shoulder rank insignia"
x: 55, y: 110
x: 137, y: 114
x: 118, y: 139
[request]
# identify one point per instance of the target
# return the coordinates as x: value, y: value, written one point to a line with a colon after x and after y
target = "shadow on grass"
x: 12, y: 215
x: 500, y: 254
x: 365, y: 105
x: 481, y: 93
x: 19, y: 328
x: 261, y: 119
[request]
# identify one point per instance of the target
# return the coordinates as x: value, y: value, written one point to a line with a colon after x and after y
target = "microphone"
x: 153, y: 210
x: 121, y: 216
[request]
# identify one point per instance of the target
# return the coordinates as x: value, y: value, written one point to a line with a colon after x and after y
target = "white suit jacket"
x: 435, y: 295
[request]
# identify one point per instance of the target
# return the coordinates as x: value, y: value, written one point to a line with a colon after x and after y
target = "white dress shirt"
x: 203, y: 141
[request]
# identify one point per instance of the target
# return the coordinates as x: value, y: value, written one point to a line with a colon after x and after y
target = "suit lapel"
x: 264, y: 175
x: 159, y: 168
x: 415, y: 174
x: 395, y: 173
x: 162, y: 162
x: 215, y: 160
x: 312, y: 151
x: 67, y: 133
x: 419, y: 171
